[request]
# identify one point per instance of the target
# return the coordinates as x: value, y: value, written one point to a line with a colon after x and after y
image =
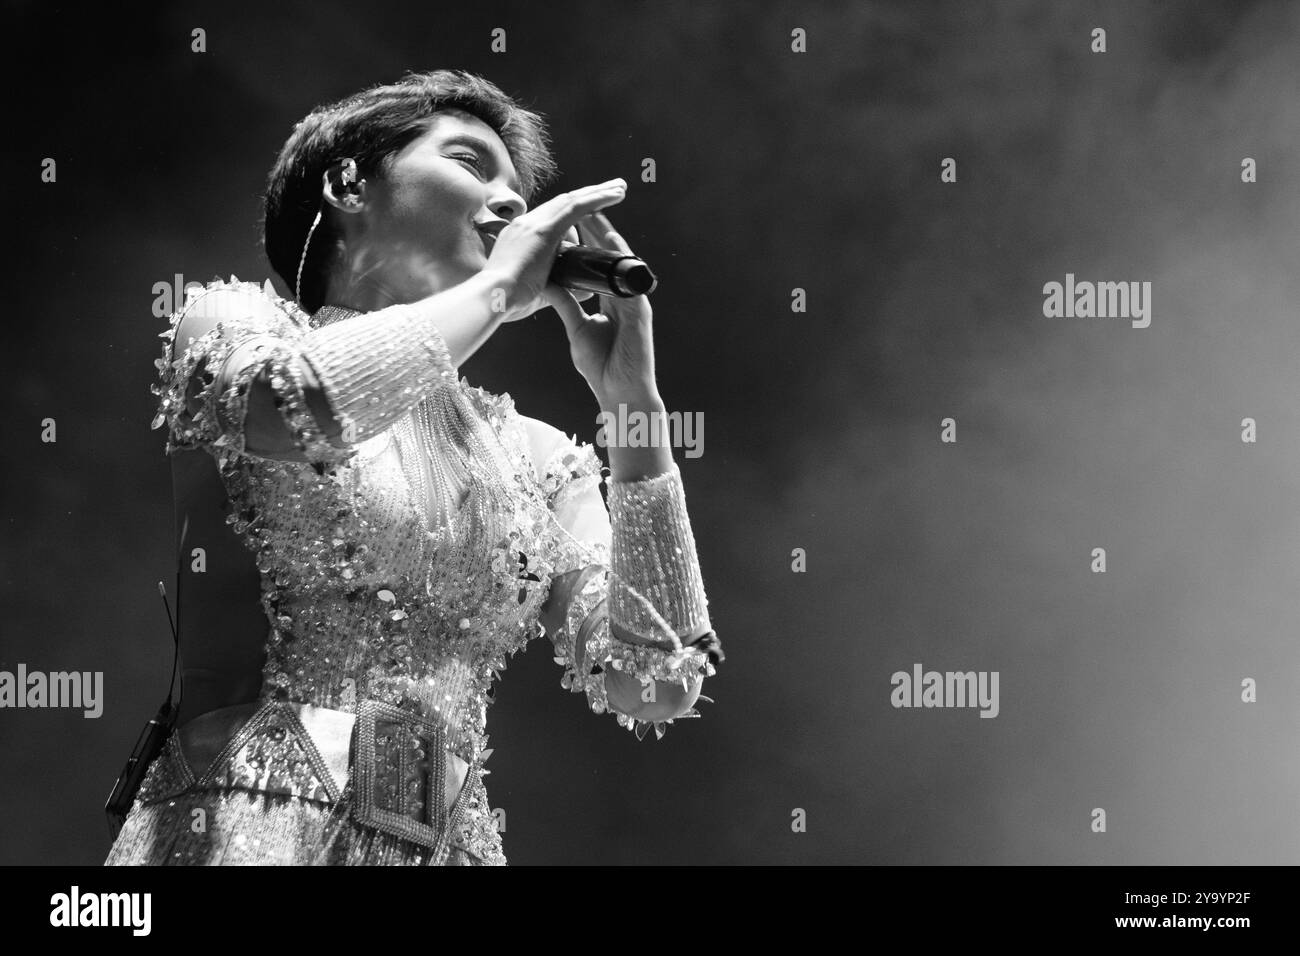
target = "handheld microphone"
x: 601, y: 271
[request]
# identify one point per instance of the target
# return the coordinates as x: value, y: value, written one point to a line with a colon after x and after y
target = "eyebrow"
x: 480, y: 146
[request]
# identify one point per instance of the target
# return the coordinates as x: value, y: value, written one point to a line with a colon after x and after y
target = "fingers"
x: 566, y: 306
x: 601, y: 233
x: 588, y: 236
x: 564, y: 210
x: 574, y: 237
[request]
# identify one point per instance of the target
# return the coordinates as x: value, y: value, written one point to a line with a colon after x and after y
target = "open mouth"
x: 488, y: 234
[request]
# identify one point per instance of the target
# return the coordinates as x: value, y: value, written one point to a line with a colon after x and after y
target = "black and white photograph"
x: 652, y: 435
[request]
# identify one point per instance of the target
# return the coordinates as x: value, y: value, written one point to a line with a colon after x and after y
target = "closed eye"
x: 472, y: 158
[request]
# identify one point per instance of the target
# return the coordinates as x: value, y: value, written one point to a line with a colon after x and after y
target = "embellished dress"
x: 398, y: 575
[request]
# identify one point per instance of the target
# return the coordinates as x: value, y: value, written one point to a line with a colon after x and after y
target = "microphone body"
x: 602, y: 271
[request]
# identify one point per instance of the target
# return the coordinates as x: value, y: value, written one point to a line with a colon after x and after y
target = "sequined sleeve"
x: 203, y: 394
x: 632, y: 569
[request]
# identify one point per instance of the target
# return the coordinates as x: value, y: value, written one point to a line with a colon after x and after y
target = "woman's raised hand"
x: 524, y: 252
x: 613, y: 351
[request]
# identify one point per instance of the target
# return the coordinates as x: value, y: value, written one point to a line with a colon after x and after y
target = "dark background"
x: 776, y: 170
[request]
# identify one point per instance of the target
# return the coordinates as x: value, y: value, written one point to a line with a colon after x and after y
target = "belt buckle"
x: 401, y: 776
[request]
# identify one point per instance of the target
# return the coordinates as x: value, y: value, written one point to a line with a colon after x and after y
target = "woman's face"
x: 421, y: 227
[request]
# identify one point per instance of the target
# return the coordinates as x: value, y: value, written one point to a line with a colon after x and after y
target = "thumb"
x: 566, y: 306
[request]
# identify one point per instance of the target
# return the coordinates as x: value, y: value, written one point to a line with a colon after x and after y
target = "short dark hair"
x: 370, y: 127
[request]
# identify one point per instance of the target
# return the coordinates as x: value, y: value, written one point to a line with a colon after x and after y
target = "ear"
x: 341, y: 188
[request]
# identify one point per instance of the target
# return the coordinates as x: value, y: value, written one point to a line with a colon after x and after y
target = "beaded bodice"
x: 410, y: 568
x: 403, y: 567
x: 375, y: 588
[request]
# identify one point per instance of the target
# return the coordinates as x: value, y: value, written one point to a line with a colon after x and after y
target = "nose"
x: 508, y: 204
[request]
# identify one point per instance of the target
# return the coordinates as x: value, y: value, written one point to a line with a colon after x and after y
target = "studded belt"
x: 403, y: 780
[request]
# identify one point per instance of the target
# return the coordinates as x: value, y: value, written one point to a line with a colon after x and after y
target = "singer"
x: 381, y: 535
